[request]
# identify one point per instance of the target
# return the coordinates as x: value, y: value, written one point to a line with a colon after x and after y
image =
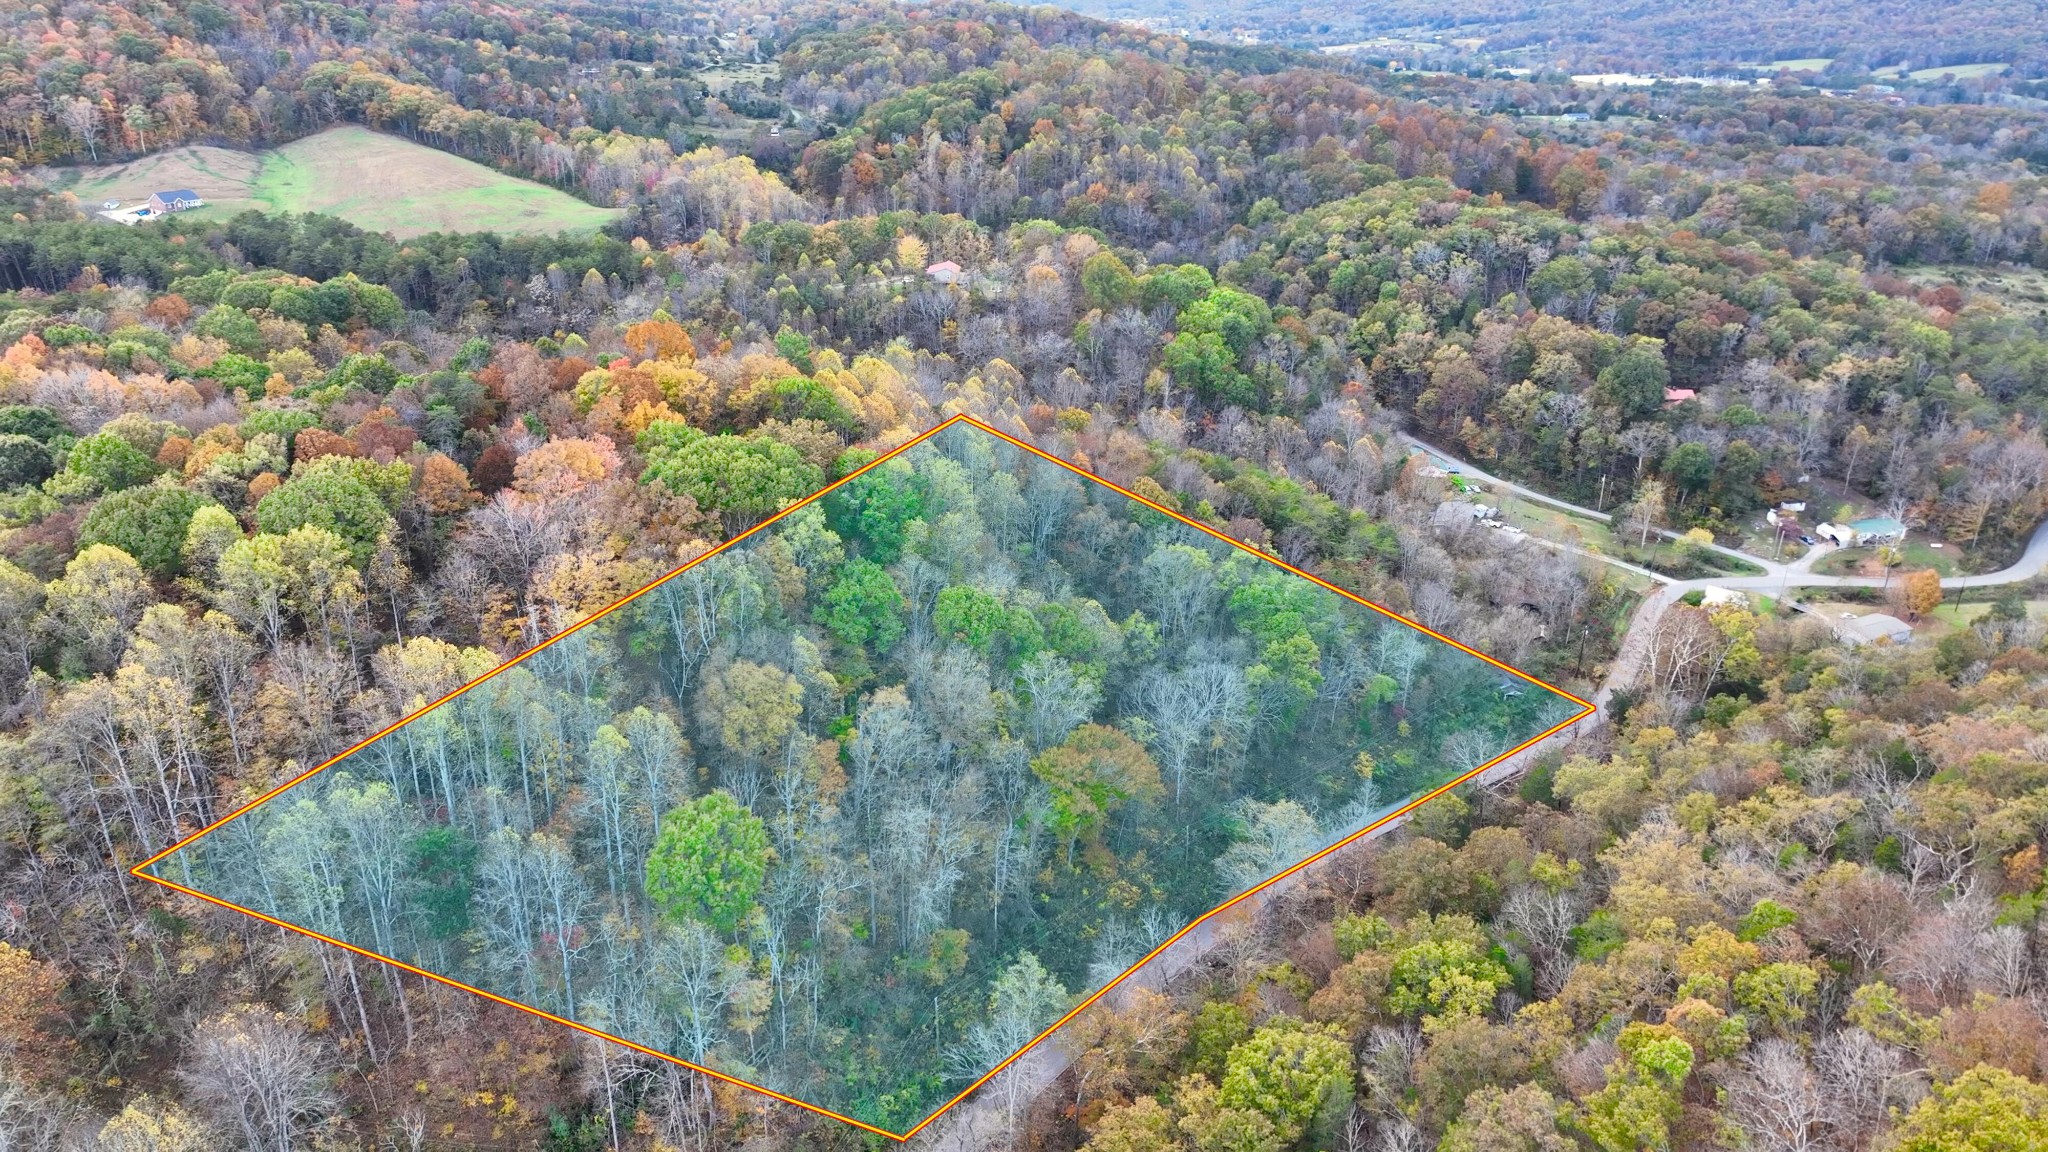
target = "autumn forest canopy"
x: 853, y: 808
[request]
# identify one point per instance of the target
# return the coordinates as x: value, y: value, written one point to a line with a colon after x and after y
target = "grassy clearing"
x: 1959, y: 71
x: 2018, y: 289
x: 1863, y: 561
x: 221, y: 176
x: 376, y: 181
x: 725, y: 77
x: 1803, y: 64
x: 1562, y: 527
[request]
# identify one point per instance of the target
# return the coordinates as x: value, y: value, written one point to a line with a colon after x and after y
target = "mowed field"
x: 376, y: 181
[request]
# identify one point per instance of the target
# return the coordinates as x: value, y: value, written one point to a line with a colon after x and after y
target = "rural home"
x: 945, y: 272
x: 1878, y: 530
x: 1870, y: 629
x: 1452, y: 513
x: 1713, y: 597
x: 1863, y: 533
x: 1676, y: 396
x: 175, y: 200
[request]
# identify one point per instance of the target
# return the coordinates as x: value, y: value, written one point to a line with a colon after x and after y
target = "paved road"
x: 1472, y: 472
x: 1777, y: 576
x: 971, y: 1126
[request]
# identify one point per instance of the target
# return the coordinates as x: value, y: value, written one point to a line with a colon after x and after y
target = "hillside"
x: 1655, y: 34
x: 374, y: 180
x: 1550, y: 370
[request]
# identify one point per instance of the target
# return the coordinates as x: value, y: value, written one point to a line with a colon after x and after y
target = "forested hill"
x: 270, y: 482
x: 1651, y: 35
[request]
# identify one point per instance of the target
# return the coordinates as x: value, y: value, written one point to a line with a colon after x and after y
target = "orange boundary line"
x: 1586, y: 710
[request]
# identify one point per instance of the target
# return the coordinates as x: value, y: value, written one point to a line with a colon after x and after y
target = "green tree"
x: 708, y: 862
x: 1735, y: 477
x: 1107, y: 283
x: 1240, y: 318
x: 863, y: 607
x: 232, y: 326
x: 795, y: 348
x: 1986, y: 1109
x: 32, y: 421
x: 368, y: 371
x: 1205, y: 364
x: 741, y: 478
x: 874, y: 511
x: 109, y: 462
x: 1092, y: 773
x: 24, y: 460
x: 1218, y: 1027
x: 1563, y: 276
x: 1691, y: 467
x: 346, y: 496
x: 1297, y: 1075
x: 442, y: 871
x: 1179, y: 286
x: 1777, y: 994
x: 148, y: 523
x: 1448, y: 971
x: 969, y: 615
x: 1642, y: 1098
x: 1635, y: 382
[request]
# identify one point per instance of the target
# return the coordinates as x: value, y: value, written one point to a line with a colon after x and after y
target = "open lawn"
x: 1863, y: 561
x: 1959, y: 71
x: 723, y: 78
x: 374, y: 180
x: 1962, y: 615
x: 1594, y: 535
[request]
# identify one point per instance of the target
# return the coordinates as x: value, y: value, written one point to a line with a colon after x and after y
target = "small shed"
x: 1870, y: 629
x: 1714, y: 597
x: 945, y: 272
x: 1675, y: 396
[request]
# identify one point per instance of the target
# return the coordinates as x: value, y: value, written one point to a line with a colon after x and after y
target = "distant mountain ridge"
x: 1659, y: 34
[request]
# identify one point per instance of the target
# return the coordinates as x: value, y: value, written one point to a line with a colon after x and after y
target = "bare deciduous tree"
x: 260, y: 1076
x: 1777, y: 1099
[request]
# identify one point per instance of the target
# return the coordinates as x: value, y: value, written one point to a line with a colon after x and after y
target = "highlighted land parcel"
x: 862, y: 805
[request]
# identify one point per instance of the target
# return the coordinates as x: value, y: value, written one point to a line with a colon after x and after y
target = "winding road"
x: 1777, y: 575
x: 978, y: 1122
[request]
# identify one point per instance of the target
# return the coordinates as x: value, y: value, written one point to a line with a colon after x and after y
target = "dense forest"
x: 270, y: 483
x: 1757, y: 926
x: 977, y: 734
